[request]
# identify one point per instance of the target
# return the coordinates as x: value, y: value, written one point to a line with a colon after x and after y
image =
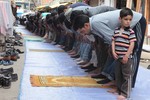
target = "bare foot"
x: 113, y: 91
x: 121, y: 97
x: 86, y: 65
x: 112, y: 83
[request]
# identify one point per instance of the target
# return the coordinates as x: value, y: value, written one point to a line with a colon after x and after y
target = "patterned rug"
x: 63, y: 81
x: 44, y: 50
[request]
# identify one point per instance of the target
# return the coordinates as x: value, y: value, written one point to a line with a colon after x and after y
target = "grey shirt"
x: 90, y: 11
x: 104, y: 24
x: 97, y: 10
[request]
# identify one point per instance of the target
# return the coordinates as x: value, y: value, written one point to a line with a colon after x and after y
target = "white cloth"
x: 91, y: 37
x: 6, y: 18
x: 94, y: 58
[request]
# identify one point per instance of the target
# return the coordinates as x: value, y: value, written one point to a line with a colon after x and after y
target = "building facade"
x: 26, y: 4
x: 46, y: 2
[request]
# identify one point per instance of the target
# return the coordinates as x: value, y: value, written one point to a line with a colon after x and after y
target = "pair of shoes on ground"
x: 6, y: 77
x: 20, y: 52
x: 6, y: 62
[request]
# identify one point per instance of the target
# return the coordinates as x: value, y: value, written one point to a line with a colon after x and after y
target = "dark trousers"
x: 101, y: 52
x: 122, y: 76
x: 139, y: 30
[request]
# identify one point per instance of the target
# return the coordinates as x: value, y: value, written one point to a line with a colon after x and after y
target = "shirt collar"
x: 126, y: 28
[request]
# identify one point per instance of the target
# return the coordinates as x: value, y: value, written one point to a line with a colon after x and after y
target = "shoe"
x: 7, y: 62
x: 18, y: 43
x: 104, y: 81
x: 9, y: 45
x: 13, y: 77
x: 90, y: 69
x: 6, y: 83
x: 6, y: 57
x: 98, y: 76
x: 6, y: 71
x: 19, y: 51
x: 8, y: 41
x: 14, y: 57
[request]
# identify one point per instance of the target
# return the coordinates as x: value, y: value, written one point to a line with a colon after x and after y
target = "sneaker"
x: 7, y: 62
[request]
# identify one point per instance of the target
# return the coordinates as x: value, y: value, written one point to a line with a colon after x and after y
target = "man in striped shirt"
x: 122, y: 48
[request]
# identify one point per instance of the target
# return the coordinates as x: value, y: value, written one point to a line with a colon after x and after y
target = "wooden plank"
x: 138, y: 5
x: 129, y: 4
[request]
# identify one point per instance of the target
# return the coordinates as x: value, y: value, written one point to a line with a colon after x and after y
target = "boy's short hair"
x: 125, y: 12
x: 79, y: 22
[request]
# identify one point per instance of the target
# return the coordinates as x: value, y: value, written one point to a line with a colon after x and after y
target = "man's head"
x: 81, y: 24
x: 61, y: 9
x: 126, y: 16
x: 74, y: 14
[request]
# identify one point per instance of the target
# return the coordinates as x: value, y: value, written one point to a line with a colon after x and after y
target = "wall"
x: 94, y: 3
x: 102, y: 2
x: 46, y: 2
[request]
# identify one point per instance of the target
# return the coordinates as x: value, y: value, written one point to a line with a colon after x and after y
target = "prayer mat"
x: 44, y: 50
x: 64, y: 81
x: 33, y: 38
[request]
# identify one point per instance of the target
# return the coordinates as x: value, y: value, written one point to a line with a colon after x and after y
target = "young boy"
x: 122, y: 47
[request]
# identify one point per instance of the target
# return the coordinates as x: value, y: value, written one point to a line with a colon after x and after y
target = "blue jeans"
x: 85, y: 51
x: 109, y: 68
